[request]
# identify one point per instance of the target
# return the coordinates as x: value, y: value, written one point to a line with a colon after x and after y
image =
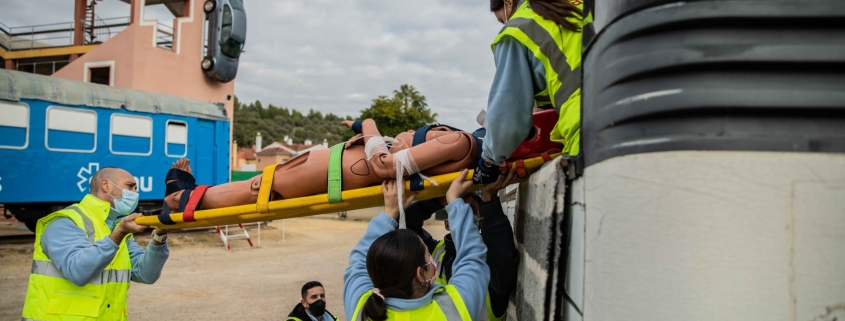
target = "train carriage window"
x: 177, y: 139
x: 131, y: 135
x: 71, y: 130
x: 14, y: 125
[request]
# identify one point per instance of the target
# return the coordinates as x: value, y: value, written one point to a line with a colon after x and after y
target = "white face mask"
x: 126, y: 203
x: 433, y: 265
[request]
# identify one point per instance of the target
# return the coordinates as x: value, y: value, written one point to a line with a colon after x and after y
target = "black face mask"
x: 317, y: 308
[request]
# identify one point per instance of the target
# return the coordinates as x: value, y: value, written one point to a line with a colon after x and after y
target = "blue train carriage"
x: 55, y: 133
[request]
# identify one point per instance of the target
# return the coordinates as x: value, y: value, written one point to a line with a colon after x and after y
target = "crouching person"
x: 313, y: 305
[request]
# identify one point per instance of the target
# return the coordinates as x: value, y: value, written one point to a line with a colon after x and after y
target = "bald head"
x: 108, y: 180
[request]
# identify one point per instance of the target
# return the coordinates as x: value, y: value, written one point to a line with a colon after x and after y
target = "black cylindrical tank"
x: 713, y: 75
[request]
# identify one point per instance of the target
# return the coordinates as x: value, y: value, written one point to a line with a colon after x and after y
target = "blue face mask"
x: 127, y: 202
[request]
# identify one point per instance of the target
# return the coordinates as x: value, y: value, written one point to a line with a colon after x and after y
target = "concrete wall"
x: 692, y: 235
x: 713, y: 236
x: 537, y: 214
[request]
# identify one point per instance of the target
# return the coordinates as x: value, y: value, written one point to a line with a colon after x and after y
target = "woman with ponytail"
x: 391, y: 273
x: 538, y: 64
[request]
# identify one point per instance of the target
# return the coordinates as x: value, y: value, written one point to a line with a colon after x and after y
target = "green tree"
x: 407, y: 109
x: 410, y: 97
x: 276, y: 122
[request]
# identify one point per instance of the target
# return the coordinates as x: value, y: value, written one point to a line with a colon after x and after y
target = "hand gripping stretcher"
x: 524, y: 160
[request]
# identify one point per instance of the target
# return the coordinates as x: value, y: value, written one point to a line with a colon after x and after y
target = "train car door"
x: 204, y: 160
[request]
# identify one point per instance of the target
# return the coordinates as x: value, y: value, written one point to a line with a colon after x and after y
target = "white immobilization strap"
x: 405, y: 162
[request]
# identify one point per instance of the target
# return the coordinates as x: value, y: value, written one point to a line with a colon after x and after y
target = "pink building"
x: 142, y: 55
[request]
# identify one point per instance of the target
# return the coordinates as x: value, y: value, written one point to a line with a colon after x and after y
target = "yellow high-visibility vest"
x: 559, y: 50
x: 51, y: 296
x: 438, y: 254
x: 447, y: 305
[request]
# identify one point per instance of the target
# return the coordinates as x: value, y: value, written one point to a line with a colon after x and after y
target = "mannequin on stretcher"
x: 367, y: 159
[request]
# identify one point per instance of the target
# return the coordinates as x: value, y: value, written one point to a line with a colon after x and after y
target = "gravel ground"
x: 203, y: 281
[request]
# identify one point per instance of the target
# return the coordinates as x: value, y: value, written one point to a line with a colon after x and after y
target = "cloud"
x: 335, y: 56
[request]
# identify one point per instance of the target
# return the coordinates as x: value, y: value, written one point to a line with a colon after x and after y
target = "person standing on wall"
x: 85, y: 255
x: 538, y: 63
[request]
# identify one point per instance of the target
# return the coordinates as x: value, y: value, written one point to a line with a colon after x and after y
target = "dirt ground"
x: 203, y: 281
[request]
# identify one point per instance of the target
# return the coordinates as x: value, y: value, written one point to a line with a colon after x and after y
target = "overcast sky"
x: 335, y: 56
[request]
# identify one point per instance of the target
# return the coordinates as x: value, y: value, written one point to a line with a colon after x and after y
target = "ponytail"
x: 558, y: 11
x: 374, y: 309
x: 392, y: 263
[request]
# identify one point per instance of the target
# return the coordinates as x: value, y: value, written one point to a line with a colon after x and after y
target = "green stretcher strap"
x: 335, y: 174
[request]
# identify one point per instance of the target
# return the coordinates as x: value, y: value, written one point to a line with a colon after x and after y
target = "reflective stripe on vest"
x: 569, y: 78
x: 48, y: 269
x: 447, y: 306
x: 89, y: 226
x: 52, y: 296
x: 559, y: 50
x: 438, y: 255
x: 442, y: 298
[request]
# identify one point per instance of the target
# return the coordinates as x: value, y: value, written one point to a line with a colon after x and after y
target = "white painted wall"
x: 714, y: 236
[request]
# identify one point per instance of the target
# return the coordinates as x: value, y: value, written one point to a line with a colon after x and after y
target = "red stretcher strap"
x: 193, y: 202
x: 519, y: 165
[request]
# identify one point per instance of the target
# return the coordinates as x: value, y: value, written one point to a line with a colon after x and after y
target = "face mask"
x: 317, y: 308
x: 433, y: 265
x: 127, y: 202
x: 507, y: 16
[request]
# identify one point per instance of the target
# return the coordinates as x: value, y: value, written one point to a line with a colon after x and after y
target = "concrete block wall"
x: 538, y: 216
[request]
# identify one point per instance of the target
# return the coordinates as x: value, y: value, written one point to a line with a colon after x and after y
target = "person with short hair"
x: 85, y: 255
x: 312, y: 306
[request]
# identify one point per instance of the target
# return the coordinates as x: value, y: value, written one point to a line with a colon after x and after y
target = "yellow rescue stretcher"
x: 266, y: 210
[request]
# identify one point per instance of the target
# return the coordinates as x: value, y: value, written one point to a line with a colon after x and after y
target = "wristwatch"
x: 159, y: 238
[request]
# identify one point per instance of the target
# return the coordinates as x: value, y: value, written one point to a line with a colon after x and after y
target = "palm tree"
x: 410, y: 97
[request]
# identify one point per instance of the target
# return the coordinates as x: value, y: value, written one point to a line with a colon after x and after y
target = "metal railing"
x: 5, y: 37
x: 41, y: 36
x: 164, y: 36
x: 59, y: 34
x: 105, y: 29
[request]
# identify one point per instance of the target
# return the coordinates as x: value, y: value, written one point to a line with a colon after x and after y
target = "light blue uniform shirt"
x: 471, y: 274
x: 79, y: 260
x: 519, y: 76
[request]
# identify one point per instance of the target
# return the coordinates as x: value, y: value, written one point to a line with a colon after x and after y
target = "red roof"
x: 246, y: 153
